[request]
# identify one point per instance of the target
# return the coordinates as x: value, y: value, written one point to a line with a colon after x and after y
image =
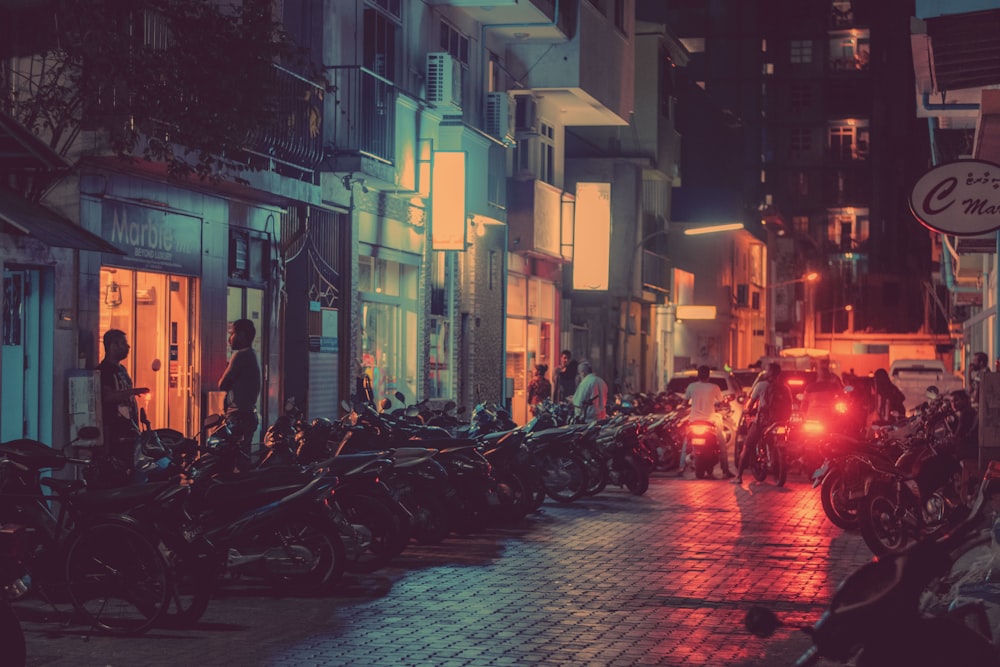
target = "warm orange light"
x: 712, y: 229
x: 696, y: 312
x: 592, y: 236
x: 813, y: 427
x: 840, y: 407
x: 448, y: 201
x: 795, y: 382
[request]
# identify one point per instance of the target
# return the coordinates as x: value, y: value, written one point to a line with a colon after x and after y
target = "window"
x: 379, y: 51
x: 546, y: 154
x: 849, y: 140
x: 800, y: 223
x: 841, y: 14
x: 455, y: 43
x: 850, y: 51
x: 800, y: 52
x: 847, y: 229
x: 800, y: 97
x: 799, y: 142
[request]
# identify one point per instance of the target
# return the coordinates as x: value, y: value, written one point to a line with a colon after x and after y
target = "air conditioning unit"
x: 500, y: 116
x: 526, y: 116
x: 444, y: 81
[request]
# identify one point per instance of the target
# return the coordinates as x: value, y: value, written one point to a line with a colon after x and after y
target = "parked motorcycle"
x: 14, y: 552
x: 875, y: 616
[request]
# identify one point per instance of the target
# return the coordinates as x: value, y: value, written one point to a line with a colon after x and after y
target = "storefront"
x: 152, y: 294
x: 193, y: 264
x: 531, y: 330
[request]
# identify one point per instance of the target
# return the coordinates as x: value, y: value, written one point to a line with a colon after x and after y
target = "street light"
x: 849, y: 309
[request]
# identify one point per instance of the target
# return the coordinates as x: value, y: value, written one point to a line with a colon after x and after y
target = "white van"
x: 913, y: 376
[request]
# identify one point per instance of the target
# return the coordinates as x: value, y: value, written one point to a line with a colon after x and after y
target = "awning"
x: 20, y: 216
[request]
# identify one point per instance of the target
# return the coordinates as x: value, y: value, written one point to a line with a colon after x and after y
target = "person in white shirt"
x: 591, y: 397
x: 702, y: 396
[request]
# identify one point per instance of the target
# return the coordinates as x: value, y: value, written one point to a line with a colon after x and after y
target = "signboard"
x: 153, y: 239
x: 591, y: 239
x: 448, y: 213
x: 960, y: 198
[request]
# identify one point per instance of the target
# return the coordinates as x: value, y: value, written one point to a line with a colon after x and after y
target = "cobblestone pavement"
x: 612, y: 581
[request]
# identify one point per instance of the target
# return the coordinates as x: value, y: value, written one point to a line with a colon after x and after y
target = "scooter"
x: 875, y: 616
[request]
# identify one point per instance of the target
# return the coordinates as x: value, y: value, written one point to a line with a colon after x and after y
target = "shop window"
x: 248, y: 255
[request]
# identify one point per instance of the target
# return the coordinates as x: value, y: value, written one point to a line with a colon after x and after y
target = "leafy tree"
x: 182, y: 82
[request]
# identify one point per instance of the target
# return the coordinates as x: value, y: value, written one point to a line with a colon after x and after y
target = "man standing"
x: 120, y: 414
x: 980, y: 365
x: 703, y: 395
x: 565, y: 377
x: 241, y: 382
x: 591, y: 396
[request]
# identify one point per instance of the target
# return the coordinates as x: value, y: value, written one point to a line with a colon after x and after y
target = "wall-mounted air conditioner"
x: 444, y: 81
x: 500, y: 116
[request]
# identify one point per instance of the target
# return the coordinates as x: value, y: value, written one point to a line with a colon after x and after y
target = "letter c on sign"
x: 940, y: 192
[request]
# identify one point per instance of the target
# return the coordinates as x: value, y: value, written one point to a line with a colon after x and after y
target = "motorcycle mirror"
x: 449, y: 406
x: 761, y: 621
x: 400, y: 397
x: 345, y: 406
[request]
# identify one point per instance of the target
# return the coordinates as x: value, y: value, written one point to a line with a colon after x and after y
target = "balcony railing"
x: 364, y: 113
x: 295, y: 134
x: 655, y: 271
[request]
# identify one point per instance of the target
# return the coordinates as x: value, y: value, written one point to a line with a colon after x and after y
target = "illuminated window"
x: 800, y: 223
x: 849, y: 140
x: 849, y: 51
x: 848, y: 229
x: 800, y: 51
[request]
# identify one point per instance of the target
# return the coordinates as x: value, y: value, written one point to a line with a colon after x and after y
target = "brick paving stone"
x: 612, y: 581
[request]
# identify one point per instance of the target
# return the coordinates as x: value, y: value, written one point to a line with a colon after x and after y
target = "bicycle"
x: 105, y: 565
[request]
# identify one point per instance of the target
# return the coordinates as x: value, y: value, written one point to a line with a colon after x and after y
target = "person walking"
x: 241, y: 382
x: 566, y: 377
x: 773, y: 402
x: 980, y: 366
x: 119, y: 410
x: 889, y: 398
x: 591, y: 396
x: 703, y: 396
x: 539, y: 389
x: 963, y: 430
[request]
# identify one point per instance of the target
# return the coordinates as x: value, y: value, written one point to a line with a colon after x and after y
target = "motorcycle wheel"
x: 759, y: 462
x: 597, y: 474
x: 514, y: 495
x: 430, y: 523
x: 833, y: 494
x: 564, y: 476
x: 116, y: 577
x: 635, y: 477
x: 383, y: 535
x: 193, y: 584
x: 779, y: 463
x: 880, y: 518
x: 305, y: 556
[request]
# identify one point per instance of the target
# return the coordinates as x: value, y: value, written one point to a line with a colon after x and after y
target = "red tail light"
x: 812, y: 427
x: 700, y: 429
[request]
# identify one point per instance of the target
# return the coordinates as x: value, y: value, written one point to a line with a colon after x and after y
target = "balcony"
x: 545, y: 19
x: 362, y: 117
x: 295, y: 135
x: 655, y: 272
x: 534, y: 218
x: 293, y: 138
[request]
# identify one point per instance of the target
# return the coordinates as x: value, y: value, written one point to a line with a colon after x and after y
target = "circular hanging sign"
x: 960, y: 198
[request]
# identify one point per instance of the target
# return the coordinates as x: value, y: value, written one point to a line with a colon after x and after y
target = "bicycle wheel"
x: 116, y: 578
